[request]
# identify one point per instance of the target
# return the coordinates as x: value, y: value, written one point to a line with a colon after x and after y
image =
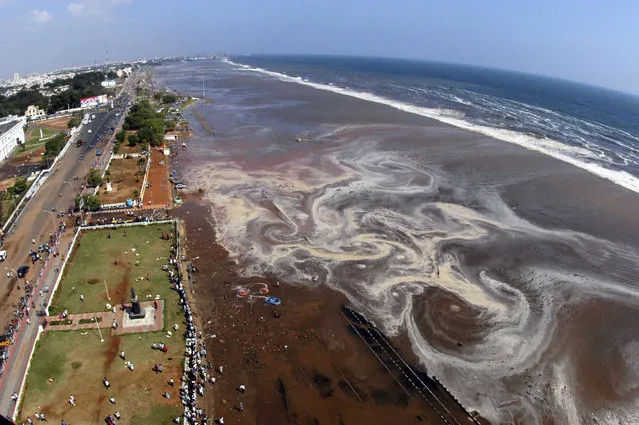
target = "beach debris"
x: 273, y: 301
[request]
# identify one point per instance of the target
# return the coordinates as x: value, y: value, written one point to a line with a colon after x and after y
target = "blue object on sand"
x: 273, y: 301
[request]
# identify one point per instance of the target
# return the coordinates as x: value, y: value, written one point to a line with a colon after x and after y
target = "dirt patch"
x: 126, y: 178
x: 111, y: 351
x: 59, y: 124
x: 158, y: 194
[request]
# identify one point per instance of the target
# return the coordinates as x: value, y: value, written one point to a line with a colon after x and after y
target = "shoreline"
x: 528, y: 142
x: 512, y: 191
x: 260, y: 346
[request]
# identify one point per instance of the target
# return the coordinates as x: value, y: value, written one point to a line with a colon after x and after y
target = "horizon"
x: 586, y: 44
x: 301, y: 55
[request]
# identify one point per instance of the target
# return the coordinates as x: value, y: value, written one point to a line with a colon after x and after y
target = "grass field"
x: 92, y: 264
x: 33, y: 141
x: 74, y: 362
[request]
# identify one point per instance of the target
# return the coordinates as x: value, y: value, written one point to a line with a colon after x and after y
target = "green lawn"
x: 33, y: 141
x: 74, y: 362
x: 34, y: 135
x: 92, y: 265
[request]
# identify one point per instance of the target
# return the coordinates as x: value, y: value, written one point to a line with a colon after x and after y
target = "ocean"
x: 590, y: 127
x: 486, y: 218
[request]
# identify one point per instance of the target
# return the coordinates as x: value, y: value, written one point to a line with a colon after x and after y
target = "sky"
x: 587, y: 41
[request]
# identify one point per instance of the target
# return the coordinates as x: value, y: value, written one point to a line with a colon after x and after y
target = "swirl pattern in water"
x: 490, y: 301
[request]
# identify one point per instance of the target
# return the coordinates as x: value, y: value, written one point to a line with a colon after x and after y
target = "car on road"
x: 81, y: 157
x: 79, y: 142
x: 22, y: 271
x: 89, y: 131
x: 98, y: 153
x: 180, y: 186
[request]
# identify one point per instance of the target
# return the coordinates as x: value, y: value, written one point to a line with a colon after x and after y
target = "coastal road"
x: 37, y: 221
x: 57, y: 193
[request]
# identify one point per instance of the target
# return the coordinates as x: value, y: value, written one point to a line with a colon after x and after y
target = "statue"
x: 136, y: 312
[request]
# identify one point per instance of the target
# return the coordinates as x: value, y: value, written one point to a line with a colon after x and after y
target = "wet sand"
x: 298, y: 361
x: 507, y: 274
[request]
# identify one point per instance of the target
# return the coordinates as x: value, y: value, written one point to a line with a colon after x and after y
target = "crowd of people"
x: 27, y: 301
x: 129, y: 217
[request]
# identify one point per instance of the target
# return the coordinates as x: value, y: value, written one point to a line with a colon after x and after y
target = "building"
x: 108, y: 83
x: 16, y: 76
x: 11, y: 134
x: 33, y: 112
x: 171, y: 136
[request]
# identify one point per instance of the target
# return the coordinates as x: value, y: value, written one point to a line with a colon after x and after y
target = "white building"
x: 33, y: 112
x: 108, y: 83
x: 11, y: 134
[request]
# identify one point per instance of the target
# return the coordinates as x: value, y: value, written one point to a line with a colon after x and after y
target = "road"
x: 37, y: 222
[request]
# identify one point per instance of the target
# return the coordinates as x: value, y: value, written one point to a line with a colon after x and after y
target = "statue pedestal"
x: 136, y: 312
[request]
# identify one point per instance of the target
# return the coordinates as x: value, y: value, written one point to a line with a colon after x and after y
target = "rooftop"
x: 7, y: 124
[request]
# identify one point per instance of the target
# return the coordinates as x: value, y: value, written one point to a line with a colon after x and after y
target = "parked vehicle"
x: 3, y: 255
x: 22, y: 271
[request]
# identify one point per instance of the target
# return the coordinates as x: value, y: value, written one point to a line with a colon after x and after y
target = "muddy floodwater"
x: 509, y: 275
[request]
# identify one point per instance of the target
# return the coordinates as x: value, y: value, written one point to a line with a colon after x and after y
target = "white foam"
x: 545, y: 146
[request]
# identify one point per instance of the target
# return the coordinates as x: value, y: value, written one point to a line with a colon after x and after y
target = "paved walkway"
x: 105, y: 320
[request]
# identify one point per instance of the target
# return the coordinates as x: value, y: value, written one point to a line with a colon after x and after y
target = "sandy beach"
x: 507, y: 274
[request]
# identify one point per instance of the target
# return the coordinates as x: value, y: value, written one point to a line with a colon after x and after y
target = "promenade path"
x: 105, y: 320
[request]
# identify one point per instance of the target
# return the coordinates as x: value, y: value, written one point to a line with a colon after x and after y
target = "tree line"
x: 80, y: 86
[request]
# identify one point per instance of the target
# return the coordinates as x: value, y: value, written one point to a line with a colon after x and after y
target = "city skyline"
x: 587, y: 43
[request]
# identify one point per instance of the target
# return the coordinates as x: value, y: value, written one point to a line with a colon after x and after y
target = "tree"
x: 19, y: 187
x: 120, y: 136
x: 94, y: 179
x: 170, y: 125
x: 54, y: 145
x: 74, y: 122
x: 133, y: 139
x: 169, y: 98
x: 91, y: 203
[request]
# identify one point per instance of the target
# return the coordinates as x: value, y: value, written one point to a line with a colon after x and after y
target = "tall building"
x: 11, y: 134
x: 16, y: 76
